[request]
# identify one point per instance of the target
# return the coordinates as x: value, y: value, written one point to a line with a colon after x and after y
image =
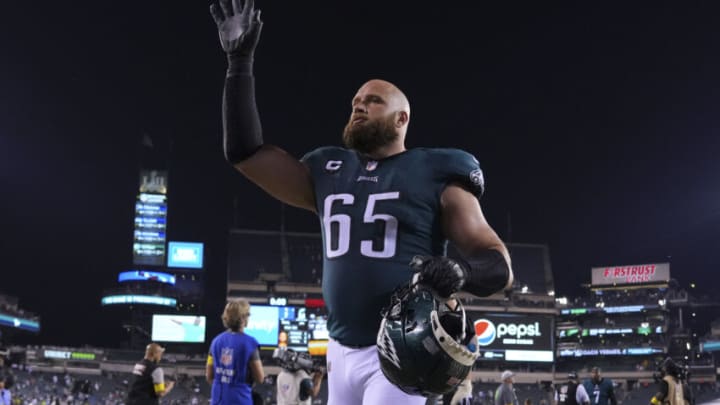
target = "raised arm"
x: 274, y: 170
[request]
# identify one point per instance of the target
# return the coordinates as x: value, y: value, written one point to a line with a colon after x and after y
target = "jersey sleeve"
x: 315, y: 159
x: 158, y: 376
x: 211, y: 353
x: 581, y: 395
x: 458, y: 166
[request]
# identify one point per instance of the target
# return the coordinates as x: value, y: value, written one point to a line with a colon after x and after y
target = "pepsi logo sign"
x: 485, y: 331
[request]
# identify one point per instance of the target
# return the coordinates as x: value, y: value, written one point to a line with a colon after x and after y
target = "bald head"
x: 379, y: 120
x: 396, y: 99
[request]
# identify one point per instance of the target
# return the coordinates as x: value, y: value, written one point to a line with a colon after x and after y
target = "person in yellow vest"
x: 671, y: 390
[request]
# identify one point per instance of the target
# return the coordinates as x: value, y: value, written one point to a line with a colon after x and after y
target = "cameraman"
x: 672, y: 389
x: 294, y: 383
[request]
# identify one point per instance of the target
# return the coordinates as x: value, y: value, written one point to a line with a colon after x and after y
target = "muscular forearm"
x: 242, y: 132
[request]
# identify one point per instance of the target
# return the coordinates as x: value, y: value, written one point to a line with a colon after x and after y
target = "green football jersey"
x: 600, y: 393
x: 375, y: 216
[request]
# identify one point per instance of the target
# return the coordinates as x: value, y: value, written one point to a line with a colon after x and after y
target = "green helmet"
x: 425, y: 348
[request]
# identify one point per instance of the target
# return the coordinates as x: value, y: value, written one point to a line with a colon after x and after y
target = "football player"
x: 600, y: 389
x: 380, y: 205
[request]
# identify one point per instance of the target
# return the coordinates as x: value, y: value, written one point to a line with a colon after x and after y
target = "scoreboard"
x: 149, y: 235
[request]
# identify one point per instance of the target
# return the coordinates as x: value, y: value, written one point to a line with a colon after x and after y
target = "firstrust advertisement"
x: 632, y: 274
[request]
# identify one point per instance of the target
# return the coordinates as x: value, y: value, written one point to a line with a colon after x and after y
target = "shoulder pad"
x: 458, y: 166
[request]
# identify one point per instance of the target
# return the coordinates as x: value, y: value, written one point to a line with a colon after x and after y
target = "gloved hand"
x: 443, y: 275
x: 238, y: 26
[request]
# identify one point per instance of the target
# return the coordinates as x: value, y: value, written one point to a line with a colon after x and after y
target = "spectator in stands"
x: 5, y: 396
x: 9, y: 379
x: 233, y: 363
x: 600, y: 390
x: 505, y: 393
x: 148, y: 384
x: 571, y: 393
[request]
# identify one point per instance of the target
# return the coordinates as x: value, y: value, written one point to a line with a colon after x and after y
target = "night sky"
x: 596, y: 126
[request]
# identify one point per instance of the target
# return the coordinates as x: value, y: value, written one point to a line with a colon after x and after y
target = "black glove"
x: 239, y: 27
x: 443, y: 275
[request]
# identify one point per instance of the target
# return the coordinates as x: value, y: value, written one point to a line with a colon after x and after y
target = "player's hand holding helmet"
x: 425, y: 348
x: 445, y: 276
x: 239, y: 26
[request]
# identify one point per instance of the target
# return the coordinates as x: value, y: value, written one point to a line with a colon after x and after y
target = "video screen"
x: 187, y: 255
x: 295, y: 327
x: 178, y: 328
x: 150, y: 220
x: 263, y: 324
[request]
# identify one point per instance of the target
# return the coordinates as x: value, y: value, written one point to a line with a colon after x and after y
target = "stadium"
x: 164, y: 163
x: 624, y: 323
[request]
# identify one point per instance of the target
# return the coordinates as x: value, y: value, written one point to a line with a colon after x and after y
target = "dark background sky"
x: 596, y: 126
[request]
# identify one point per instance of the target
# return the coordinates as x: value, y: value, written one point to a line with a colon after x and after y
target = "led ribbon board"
x: 142, y: 275
x: 19, y: 323
x: 138, y: 299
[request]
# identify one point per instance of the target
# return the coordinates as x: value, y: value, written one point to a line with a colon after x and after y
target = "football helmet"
x: 424, y: 347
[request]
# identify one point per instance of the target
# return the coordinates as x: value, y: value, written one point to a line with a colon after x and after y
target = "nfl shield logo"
x: 371, y: 165
x: 226, y: 356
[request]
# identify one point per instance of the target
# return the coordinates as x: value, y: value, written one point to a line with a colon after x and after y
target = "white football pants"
x: 355, y: 378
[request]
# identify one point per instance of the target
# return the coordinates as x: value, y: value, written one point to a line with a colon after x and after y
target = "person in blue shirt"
x: 5, y: 396
x: 600, y: 389
x: 233, y: 363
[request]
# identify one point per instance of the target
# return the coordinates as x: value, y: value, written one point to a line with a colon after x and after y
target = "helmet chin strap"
x: 464, y: 320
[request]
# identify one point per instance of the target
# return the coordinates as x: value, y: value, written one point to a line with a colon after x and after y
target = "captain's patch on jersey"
x: 476, y: 176
x: 333, y: 165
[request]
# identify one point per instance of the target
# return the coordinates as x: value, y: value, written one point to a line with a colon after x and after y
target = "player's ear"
x: 401, y: 118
